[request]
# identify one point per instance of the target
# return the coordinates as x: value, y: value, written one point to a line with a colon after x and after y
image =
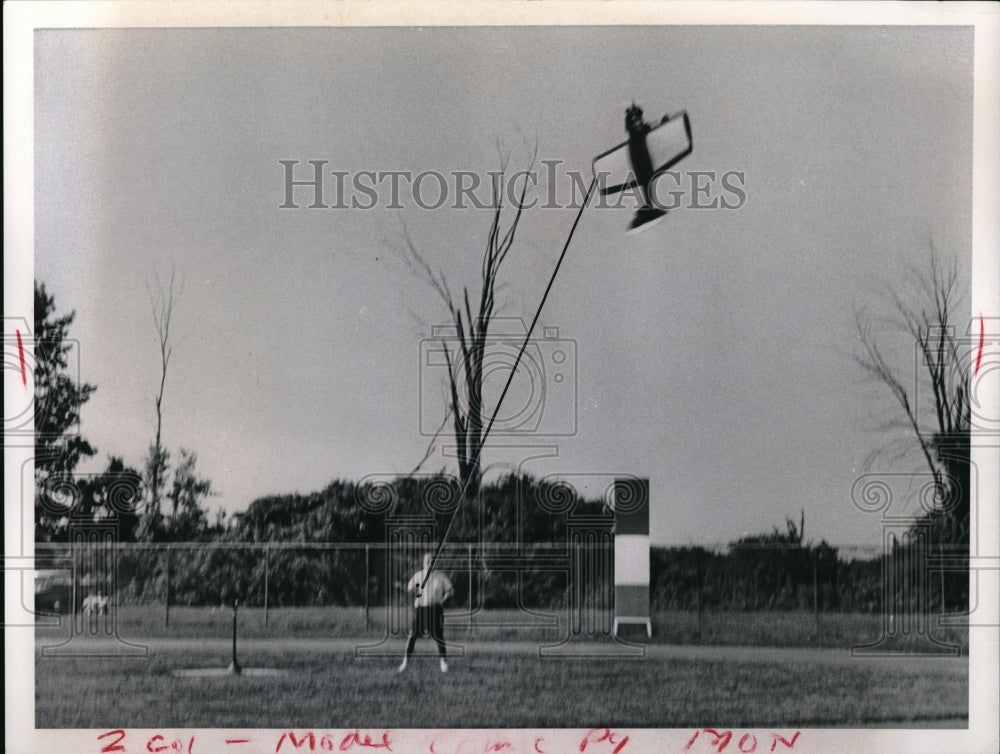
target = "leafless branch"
x: 162, y: 304
x: 471, y: 317
x: 926, y: 316
x: 432, y: 443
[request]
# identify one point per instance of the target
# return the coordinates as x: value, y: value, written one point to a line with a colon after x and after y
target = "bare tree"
x: 162, y: 303
x: 941, y: 425
x: 465, y: 348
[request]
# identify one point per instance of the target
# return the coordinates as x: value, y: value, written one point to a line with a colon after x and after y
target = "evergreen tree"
x: 59, y: 395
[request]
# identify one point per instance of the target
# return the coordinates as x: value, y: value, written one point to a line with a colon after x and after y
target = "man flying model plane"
x: 638, y: 162
x: 649, y: 151
x: 430, y: 590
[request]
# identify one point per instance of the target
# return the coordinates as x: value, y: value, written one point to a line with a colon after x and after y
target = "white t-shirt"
x: 435, y: 592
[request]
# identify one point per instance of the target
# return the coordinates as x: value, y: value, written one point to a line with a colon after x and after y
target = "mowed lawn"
x: 731, y: 627
x: 501, y: 681
x: 492, y: 688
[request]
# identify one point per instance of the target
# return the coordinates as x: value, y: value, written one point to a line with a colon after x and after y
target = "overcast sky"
x: 712, y: 350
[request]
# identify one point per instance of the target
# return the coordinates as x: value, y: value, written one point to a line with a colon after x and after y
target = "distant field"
x: 499, y: 682
x: 736, y: 628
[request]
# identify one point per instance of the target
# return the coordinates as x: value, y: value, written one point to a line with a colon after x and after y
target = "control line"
x: 510, y: 379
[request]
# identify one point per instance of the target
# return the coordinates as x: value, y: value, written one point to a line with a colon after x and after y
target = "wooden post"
x: 944, y: 601
x: 234, y: 666
x: 166, y: 617
x: 367, y: 583
x: 815, y: 560
x: 698, y: 593
x: 267, y: 574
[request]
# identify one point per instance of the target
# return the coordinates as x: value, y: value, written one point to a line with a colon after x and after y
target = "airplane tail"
x: 646, y: 217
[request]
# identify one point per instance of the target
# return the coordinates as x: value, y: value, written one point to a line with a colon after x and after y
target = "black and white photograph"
x: 523, y: 377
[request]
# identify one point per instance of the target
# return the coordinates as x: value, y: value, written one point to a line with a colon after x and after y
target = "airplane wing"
x: 613, y: 171
x: 668, y: 143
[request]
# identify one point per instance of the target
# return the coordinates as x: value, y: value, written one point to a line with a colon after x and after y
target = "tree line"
x: 309, y: 550
x: 165, y: 498
x: 130, y: 499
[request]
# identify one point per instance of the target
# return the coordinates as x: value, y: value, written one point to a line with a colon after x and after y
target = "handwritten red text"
x: 709, y: 739
x: 597, y: 735
x: 330, y: 742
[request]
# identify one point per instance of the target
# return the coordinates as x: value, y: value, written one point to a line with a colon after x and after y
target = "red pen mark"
x: 775, y: 738
x: 237, y: 740
x: 116, y: 744
x: 158, y: 743
x: 595, y: 735
x: 747, y: 744
x: 979, y: 354
x: 722, y: 738
x: 24, y: 372
x: 308, y: 739
x: 355, y: 739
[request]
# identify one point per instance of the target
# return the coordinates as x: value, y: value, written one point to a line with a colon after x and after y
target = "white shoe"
x: 402, y: 666
x: 444, y: 666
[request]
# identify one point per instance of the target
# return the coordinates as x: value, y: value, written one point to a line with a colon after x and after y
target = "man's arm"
x: 448, y: 588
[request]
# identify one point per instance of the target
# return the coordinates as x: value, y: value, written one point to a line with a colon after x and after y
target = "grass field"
x: 500, y: 681
x: 736, y: 628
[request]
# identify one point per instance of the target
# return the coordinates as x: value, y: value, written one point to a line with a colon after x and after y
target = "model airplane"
x: 638, y: 162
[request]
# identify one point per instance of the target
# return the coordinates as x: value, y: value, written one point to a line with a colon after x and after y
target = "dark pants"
x: 427, y: 620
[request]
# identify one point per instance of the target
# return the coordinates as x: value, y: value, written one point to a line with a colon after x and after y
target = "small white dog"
x: 95, y: 603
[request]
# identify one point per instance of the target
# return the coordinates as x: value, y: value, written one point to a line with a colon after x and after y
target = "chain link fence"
x: 907, y: 588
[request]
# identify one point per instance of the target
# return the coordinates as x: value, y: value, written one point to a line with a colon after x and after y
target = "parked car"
x: 53, y: 591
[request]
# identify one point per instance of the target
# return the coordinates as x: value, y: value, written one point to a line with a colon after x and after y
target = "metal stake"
x: 267, y: 574
x: 234, y: 667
